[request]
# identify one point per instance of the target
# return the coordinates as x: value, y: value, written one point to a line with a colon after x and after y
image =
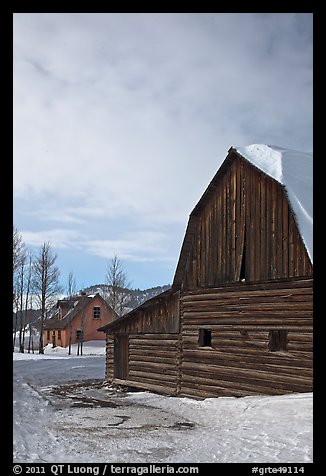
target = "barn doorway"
x: 121, y: 356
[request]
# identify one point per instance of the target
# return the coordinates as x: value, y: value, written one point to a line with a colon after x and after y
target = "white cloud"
x: 58, y: 238
x: 141, y: 247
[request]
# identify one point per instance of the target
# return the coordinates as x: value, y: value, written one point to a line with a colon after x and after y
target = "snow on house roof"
x: 292, y: 169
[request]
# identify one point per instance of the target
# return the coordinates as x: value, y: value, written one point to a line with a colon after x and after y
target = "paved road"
x: 62, y: 413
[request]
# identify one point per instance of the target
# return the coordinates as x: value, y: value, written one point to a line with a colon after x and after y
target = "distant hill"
x: 136, y: 296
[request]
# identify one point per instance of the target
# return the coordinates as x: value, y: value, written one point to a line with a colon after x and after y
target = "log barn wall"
x: 240, y: 318
x: 153, y: 345
x: 109, y: 358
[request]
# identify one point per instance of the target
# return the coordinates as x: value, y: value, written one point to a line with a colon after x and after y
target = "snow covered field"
x: 63, y: 414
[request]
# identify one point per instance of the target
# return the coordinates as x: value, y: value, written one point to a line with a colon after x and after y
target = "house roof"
x: 66, y: 302
x: 78, y: 303
x: 292, y: 169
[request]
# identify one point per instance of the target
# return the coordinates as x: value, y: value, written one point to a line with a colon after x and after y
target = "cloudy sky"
x: 122, y: 120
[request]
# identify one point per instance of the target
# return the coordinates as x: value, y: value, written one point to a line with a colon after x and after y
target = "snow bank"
x: 89, y: 348
x: 292, y: 169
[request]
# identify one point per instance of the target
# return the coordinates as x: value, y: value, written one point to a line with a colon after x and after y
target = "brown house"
x: 238, y: 318
x: 80, y: 316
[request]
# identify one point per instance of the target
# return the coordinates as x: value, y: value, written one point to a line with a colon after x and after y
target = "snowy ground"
x: 89, y: 348
x: 63, y: 414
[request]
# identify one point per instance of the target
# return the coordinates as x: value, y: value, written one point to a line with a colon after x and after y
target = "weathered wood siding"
x: 153, y: 346
x: 160, y: 315
x: 240, y: 318
x: 121, y: 356
x: 109, y: 364
x: 246, y: 212
x: 153, y: 362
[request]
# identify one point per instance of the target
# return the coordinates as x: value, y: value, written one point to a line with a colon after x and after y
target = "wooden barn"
x: 238, y: 318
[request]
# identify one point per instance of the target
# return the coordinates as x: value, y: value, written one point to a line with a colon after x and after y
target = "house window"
x: 278, y: 341
x: 48, y: 334
x: 96, y: 312
x: 59, y: 334
x: 205, y: 338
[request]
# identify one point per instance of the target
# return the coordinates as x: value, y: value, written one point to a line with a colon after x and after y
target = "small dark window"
x: 205, y: 338
x: 59, y: 334
x: 278, y: 341
x: 48, y: 334
x: 96, y: 312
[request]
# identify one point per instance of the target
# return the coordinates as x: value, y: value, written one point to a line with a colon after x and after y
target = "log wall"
x: 109, y: 359
x: 153, y: 345
x: 240, y: 318
x: 154, y: 362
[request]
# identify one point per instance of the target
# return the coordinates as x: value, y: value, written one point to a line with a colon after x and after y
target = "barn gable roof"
x: 292, y: 169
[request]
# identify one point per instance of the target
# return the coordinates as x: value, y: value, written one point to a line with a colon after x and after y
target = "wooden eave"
x: 132, y: 314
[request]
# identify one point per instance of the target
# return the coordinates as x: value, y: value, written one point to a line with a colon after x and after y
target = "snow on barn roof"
x: 292, y: 169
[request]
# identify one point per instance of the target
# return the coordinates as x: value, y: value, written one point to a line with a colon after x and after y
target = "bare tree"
x: 116, y: 286
x: 18, y: 300
x: 31, y: 340
x: 19, y: 292
x: 19, y: 254
x: 45, y: 283
x: 81, y: 335
x: 16, y: 309
x: 18, y: 249
x: 27, y: 289
x: 71, y: 291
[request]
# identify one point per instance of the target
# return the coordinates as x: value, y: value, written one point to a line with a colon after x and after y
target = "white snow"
x: 62, y: 414
x: 94, y: 347
x: 294, y: 170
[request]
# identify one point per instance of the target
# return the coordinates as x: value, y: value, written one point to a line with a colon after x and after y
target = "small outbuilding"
x: 238, y: 318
